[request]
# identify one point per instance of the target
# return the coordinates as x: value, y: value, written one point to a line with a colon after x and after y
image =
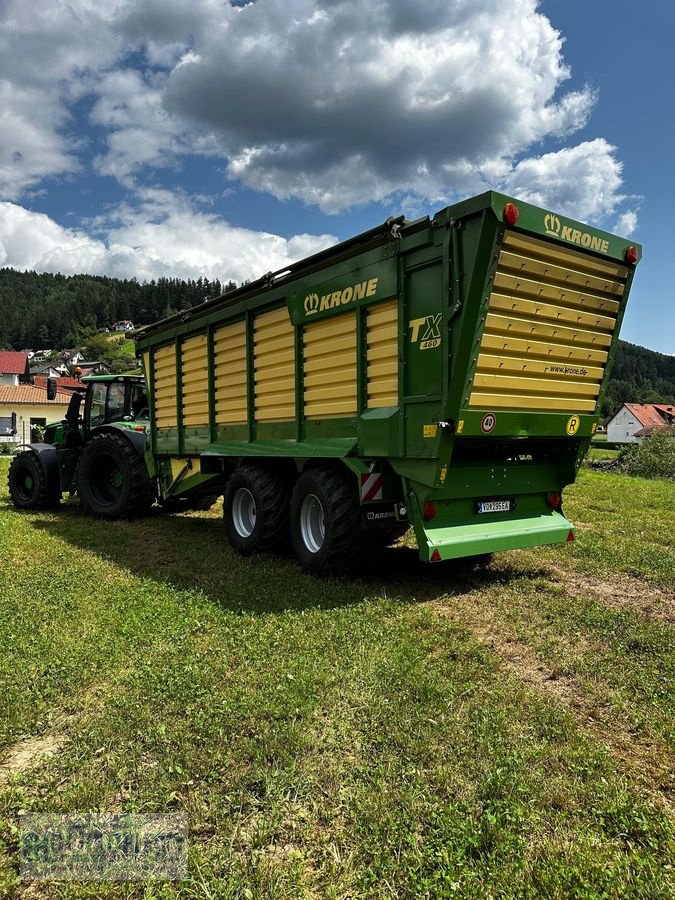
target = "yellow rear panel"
x: 382, y: 346
x: 549, y: 326
x: 274, y: 366
x: 329, y: 349
x: 195, y: 383
x: 164, y: 375
x: 229, y: 348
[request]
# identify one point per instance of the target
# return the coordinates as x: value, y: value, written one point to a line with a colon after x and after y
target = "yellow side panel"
x: 382, y: 354
x: 549, y: 326
x: 229, y: 351
x: 274, y: 366
x: 164, y: 375
x: 329, y: 349
x: 195, y: 382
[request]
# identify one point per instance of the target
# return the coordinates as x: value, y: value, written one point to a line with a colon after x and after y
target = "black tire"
x: 342, y: 545
x: 265, y: 495
x: 112, y: 479
x: 28, y: 485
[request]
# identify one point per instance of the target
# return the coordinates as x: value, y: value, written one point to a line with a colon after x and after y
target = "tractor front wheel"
x: 112, y: 479
x: 28, y: 486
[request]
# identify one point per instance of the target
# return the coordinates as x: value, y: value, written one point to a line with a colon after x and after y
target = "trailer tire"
x: 28, y: 484
x: 255, y: 509
x: 326, y: 521
x: 112, y: 478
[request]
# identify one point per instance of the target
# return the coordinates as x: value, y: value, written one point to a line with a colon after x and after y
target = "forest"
x: 41, y: 311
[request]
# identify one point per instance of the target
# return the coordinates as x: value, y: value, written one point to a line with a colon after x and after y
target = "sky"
x: 149, y: 138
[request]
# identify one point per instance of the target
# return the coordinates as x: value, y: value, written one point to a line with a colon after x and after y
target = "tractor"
x: 98, y: 453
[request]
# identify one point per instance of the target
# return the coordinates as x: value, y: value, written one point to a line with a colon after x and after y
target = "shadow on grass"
x: 190, y: 552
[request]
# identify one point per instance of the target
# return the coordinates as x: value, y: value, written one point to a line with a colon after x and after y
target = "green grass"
x: 418, y: 732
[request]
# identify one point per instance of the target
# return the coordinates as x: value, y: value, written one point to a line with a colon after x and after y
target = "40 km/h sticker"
x: 573, y: 425
x: 488, y: 423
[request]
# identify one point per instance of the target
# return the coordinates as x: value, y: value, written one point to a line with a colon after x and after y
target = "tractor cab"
x: 114, y: 398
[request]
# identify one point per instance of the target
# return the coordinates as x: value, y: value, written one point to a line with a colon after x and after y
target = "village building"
x: 635, y: 421
x: 13, y: 367
x: 24, y: 407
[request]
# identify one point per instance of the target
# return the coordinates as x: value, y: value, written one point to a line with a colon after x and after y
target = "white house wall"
x: 622, y: 427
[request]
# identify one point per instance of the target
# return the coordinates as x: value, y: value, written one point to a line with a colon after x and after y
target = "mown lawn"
x: 417, y: 732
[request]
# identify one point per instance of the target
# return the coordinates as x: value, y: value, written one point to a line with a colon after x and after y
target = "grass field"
x: 418, y: 732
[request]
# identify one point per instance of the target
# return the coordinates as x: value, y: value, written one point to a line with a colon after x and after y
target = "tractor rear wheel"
x: 326, y: 521
x: 28, y: 486
x: 112, y: 479
x: 255, y: 509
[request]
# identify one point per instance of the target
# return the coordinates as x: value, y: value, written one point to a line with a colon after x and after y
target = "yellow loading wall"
x: 329, y: 350
x: 550, y: 323
x: 195, y: 382
x: 382, y: 354
x: 229, y: 346
x: 274, y: 366
x: 164, y: 377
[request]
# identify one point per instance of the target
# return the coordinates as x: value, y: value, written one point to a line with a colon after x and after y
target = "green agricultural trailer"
x: 444, y: 373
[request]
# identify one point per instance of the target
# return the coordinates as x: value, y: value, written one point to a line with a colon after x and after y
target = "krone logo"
x: 552, y: 224
x: 311, y: 304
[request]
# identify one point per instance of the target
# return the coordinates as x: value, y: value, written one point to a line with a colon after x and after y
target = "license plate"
x: 492, y: 506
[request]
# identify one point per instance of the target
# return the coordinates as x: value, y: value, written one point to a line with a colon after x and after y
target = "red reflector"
x: 631, y: 254
x: 429, y: 510
x: 511, y: 213
x: 554, y: 499
x: 435, y: 556
x: 570, y: 536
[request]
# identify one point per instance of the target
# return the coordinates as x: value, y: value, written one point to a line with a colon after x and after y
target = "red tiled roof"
x: 648, y: 414
x: 13, y: 362
x: 18, y: 394
x: 63, y: 383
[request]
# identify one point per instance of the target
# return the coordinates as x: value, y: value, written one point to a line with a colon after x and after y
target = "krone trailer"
x: 443, y: 374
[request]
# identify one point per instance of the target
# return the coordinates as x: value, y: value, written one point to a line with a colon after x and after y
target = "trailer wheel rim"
x: 312, y: 523
x: 243, y: 512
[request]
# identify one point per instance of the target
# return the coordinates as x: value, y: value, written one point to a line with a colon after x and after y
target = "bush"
x: 653, y: 458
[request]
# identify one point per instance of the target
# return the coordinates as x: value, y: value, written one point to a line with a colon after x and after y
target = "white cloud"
x: 339, y: 103
x: 162, y: 236
x: 333, y: 102
x: 582, y: 181
x: 626, y: 223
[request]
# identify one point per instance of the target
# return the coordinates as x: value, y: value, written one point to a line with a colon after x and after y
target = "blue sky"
x: 152, y: 138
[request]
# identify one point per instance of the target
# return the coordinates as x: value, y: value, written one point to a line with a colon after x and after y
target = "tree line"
x: 42, y: 310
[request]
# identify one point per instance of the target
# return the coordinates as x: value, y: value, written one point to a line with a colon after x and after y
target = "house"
x: 92, y: 368
x: 25, y: 406
x: 634, y: 421
x: 71, y: 357
x: 49, y: 370
x: 13, y: 366
x: 123, y: 325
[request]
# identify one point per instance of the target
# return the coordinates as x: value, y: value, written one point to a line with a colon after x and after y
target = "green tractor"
x: 100, y: 452
x: 97, y: 452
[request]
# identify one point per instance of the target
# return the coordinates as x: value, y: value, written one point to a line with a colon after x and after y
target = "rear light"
x: 429, y: 510
x: 554, y: 499
x: 511, y: 213
x: 435, y: 556
x: 631, y: 254
x: 570, y: 537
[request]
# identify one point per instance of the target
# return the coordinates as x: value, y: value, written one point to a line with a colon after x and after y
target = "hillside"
x: 45, y: 310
